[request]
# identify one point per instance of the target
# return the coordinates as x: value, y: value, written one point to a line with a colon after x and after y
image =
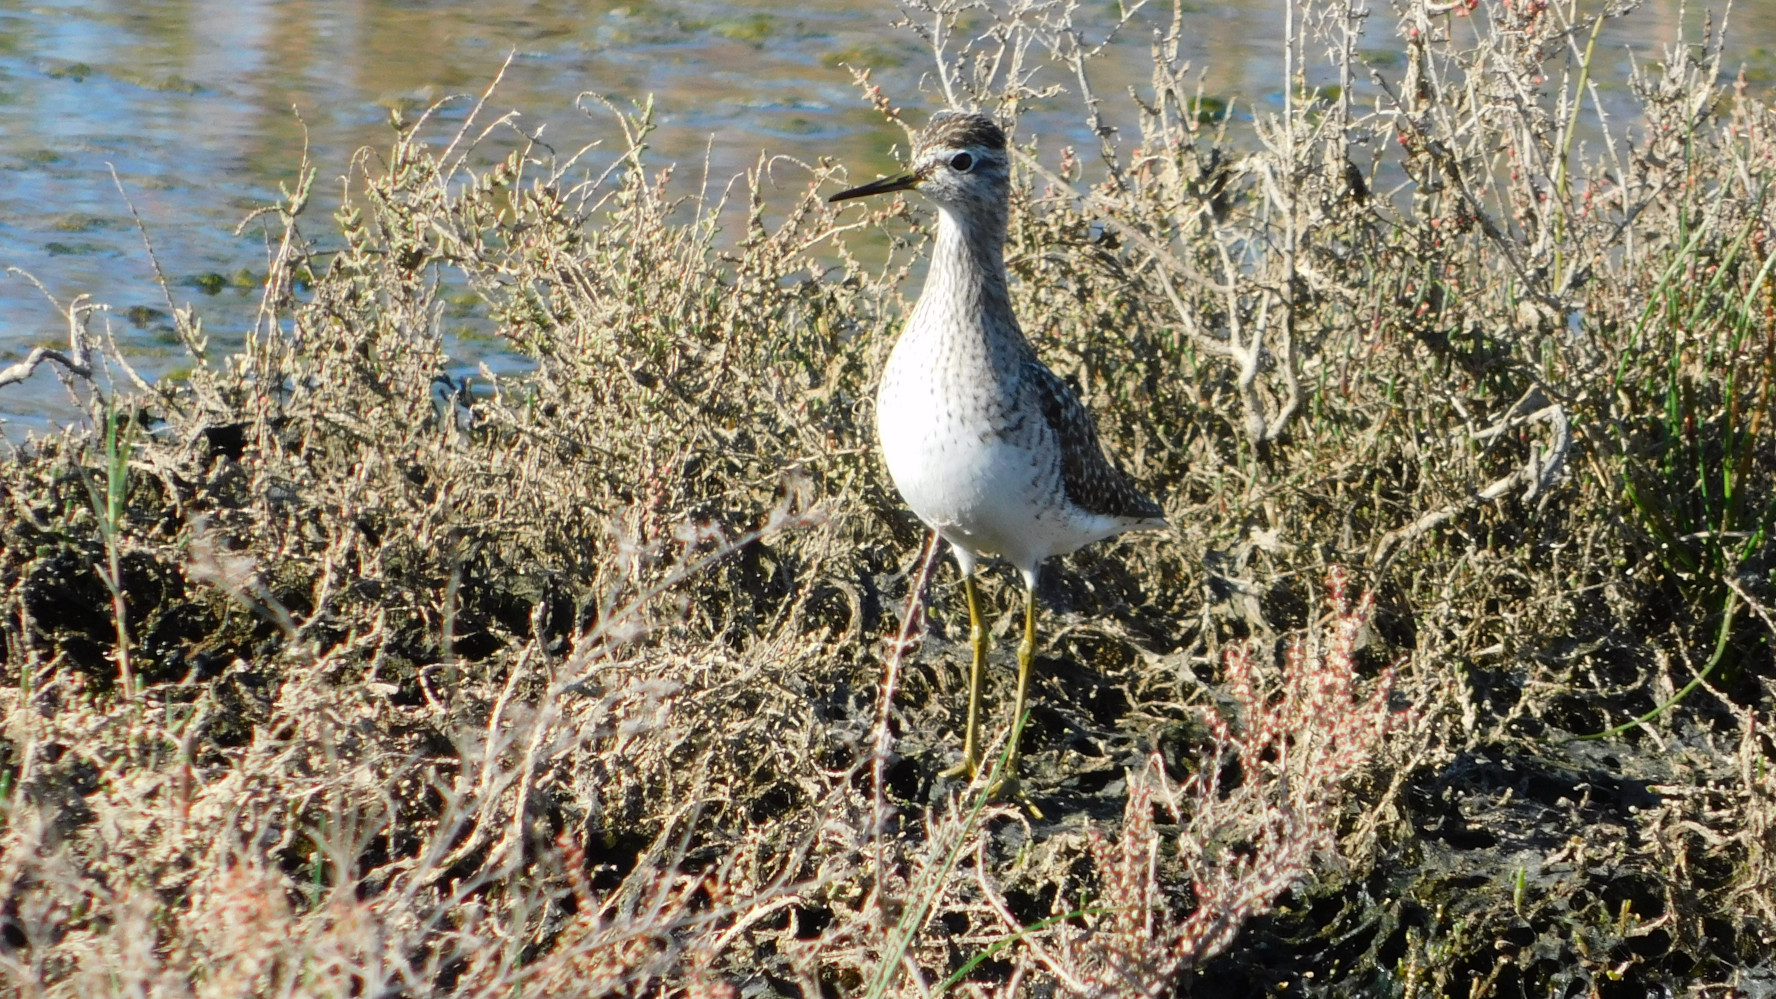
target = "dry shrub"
x: 1241, y: 844
x: 391, y: 640
x: 328, y: 671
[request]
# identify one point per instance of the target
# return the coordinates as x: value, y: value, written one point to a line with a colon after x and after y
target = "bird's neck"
x: 970, y: 251
x: 965, y: 293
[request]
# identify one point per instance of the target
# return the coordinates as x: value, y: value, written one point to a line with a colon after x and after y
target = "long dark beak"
x: 898, y: 182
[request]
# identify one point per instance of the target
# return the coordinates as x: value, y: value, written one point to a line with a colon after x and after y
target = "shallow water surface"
x: 202, y: 107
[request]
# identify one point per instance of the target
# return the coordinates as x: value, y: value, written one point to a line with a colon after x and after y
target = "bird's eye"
x: 962, y: 163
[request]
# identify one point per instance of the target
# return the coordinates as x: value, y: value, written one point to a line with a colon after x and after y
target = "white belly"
x: 986, y: 494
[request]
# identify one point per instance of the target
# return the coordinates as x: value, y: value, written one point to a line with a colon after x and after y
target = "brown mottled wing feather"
x: 1090, y: 479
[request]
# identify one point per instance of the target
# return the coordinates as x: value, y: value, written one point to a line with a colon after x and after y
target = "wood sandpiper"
x: 984, y: 442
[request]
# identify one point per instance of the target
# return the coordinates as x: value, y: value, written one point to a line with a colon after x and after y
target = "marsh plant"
x: 326, y: 672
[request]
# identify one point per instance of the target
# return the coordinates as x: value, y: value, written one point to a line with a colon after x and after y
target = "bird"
x: 986, y: 444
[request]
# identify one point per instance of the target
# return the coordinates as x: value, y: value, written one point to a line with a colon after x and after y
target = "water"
x: 201, y: 107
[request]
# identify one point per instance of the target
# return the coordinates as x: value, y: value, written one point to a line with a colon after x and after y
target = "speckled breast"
x: 965, y: 457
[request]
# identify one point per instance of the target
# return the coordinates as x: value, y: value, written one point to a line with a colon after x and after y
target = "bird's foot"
x: 966, y: 770
x: 1007, y: 789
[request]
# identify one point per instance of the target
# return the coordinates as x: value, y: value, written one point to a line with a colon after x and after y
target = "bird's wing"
x: 1090, y: 479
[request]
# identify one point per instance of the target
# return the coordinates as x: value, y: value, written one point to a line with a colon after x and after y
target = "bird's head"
x: 959, y: 161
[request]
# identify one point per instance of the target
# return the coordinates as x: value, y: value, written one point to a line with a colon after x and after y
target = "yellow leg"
x: 977, y: 634
x: 1007, y: 784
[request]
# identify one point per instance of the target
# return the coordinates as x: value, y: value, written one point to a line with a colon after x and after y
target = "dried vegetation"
x: 325, y: 674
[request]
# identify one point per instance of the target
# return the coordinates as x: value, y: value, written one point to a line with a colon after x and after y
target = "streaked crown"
x: 958, y: 130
